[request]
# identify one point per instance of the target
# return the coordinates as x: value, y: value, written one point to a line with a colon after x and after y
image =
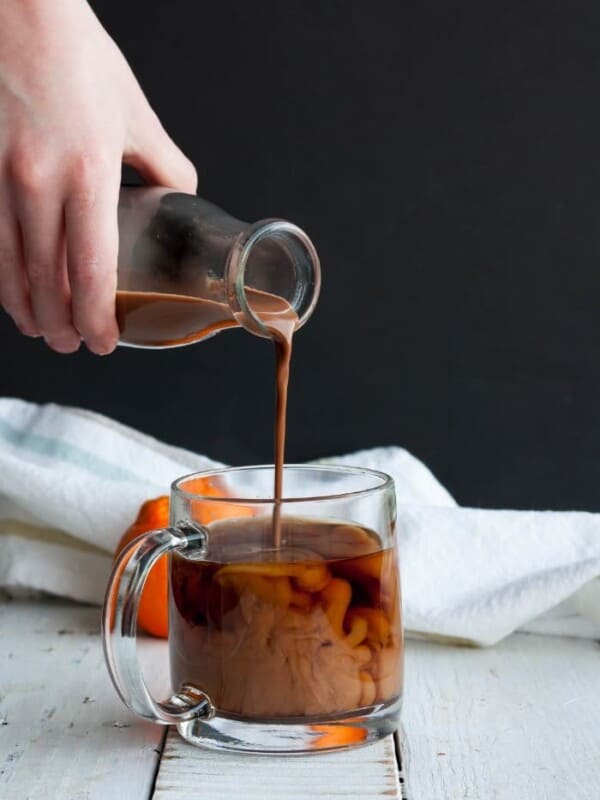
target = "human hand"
x: 71, y: 111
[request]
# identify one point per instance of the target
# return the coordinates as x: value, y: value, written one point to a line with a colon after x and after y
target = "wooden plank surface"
x: 64, y: 734
x: 367, y: 773
x: 520, y: 721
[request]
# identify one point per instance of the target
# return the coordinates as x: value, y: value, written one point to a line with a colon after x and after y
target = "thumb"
x: 153, y: 153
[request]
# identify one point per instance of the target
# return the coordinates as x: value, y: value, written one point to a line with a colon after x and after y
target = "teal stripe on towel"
x: 69, y: 453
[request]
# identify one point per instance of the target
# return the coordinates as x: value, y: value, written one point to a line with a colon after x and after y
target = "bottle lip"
x: 236, y: 271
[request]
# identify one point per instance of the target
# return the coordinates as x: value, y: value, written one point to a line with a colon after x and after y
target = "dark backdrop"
x: 444, y: 157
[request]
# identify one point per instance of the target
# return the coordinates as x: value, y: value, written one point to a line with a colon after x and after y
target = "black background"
x: 444, y: 158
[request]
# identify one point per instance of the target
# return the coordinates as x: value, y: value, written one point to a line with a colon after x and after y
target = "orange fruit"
x: 153, y: 612
x: 153, y: 615
x: 209, y: 512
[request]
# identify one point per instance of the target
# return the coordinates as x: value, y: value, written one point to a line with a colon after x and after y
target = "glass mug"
x: 273, y: 650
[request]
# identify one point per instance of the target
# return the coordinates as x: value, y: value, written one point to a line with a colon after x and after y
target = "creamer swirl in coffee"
x: 308, y: 630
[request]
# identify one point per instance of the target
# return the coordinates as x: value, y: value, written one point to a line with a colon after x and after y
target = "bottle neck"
x: 272, y: 272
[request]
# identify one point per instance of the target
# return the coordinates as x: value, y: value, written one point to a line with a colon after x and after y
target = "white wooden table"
x: 520, y: 721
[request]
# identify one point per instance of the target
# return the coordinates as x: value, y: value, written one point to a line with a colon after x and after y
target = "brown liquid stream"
x: 153, y: 319
x: 282, y: 331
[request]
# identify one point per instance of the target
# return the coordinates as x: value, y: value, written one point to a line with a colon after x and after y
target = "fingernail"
x: 63, y: 346
x: 104, y: 349
x: 27, y: 329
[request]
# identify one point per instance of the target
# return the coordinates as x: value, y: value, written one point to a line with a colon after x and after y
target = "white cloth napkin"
x: 72, y: 481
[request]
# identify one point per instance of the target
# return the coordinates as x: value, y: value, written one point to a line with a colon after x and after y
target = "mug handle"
x: 119, y: 624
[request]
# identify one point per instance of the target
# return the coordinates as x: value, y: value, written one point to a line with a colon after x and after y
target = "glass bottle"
x: 188, y: 270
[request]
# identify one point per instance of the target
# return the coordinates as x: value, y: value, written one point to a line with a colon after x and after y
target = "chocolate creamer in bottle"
x: 188, y: 270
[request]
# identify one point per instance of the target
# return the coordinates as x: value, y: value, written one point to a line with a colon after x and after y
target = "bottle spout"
x: 273, y: 277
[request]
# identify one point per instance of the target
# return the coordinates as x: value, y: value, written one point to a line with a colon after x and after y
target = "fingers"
x: 62, y: 281
x: 157, y: 158
x: 40, y: 213
x: 92, y: 251
x: 59, y: 235
x: 14, y: 288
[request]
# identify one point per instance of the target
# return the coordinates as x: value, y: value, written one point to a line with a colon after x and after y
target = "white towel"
x: 72, y: 481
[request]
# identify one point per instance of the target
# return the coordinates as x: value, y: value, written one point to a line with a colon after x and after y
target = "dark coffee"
x: 310, y: 628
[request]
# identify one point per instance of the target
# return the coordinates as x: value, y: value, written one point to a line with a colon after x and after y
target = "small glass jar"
x: 187, y: 269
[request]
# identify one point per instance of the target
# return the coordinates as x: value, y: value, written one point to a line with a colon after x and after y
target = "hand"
x: 71, y: 111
